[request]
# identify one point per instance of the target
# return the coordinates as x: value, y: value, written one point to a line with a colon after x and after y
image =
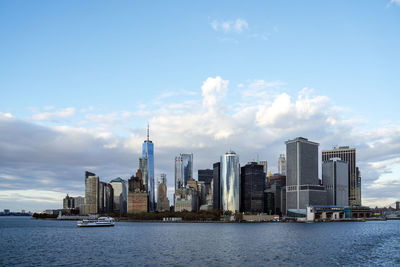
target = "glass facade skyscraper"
x: 120, y: 194
x: 183, y: 170
x: 148, y: 152
x: 230, y: 182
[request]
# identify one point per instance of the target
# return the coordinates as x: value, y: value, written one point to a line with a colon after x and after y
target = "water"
x: 24, y: 241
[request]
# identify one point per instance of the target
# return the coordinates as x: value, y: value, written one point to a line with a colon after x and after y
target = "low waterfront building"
x: 206, y: 207
x: 260, y: 218
x: 172, y: 219
x: 357, y: 212
x: 325, y: 213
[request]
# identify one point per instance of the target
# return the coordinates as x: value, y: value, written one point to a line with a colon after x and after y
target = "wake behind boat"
x: 99, y: 222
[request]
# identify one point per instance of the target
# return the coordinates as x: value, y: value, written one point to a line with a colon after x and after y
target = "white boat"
x: 101, y: 221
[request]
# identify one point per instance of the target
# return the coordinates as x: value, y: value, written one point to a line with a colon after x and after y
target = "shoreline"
x: 255, y: 222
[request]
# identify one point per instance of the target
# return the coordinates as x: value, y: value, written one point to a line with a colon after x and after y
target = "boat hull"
x: 95, y: 225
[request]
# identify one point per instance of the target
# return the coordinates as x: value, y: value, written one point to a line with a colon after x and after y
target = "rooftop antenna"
x: 148, y: 131
x: 258, y: 158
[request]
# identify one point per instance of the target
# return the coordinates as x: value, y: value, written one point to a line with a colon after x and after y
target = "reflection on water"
x: 38, y: 242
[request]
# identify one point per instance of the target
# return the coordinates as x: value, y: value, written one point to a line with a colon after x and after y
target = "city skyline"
x: 77, y: 93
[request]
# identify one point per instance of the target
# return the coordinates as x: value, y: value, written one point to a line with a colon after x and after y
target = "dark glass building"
x: 205, y: 175
x: 269, y: 203
x: 252, y: 187
x: 216, y: 186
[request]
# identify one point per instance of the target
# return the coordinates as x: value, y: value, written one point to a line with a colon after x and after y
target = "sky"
x: 80, y: 80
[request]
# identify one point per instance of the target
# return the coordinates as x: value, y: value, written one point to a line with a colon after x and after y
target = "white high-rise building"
x: 230, y: 182
x: 265, y: 166
x: 282, y: 164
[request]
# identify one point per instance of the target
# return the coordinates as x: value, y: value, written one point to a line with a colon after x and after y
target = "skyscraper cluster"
x: 230, y: 187
x: 120, y: 196
x: 251, y: 188
x: 103, y: 197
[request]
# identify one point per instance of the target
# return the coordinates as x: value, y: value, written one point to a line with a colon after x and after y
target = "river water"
x: 25, y: 241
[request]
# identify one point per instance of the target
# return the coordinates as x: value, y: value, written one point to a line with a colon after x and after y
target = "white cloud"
x: 212, y: 89
x: 59, y: 115
x: 6, y: 115
x: 236, y: 26
x: 397, y: 2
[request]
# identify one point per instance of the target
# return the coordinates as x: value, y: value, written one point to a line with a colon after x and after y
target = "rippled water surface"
x: 24, y: 241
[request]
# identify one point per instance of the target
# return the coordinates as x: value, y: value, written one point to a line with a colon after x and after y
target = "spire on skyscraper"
x: 148, y: 132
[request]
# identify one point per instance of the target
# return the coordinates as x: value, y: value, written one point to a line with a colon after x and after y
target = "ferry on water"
x: 101, y: 221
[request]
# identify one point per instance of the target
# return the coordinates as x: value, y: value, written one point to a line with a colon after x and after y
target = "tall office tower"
x: 68, y: 202
x: 206, y: 176
x: 302, y: 183
x: 230, y: 182
x: 101, y: 197
x: 335, y: 178
x: 216, y: 186
x: 252, y: 187
x: 79, y: 203
x: 120, y: 195
x: 349, y: 155
x: 264, y: 163
x: 148, y: 153
x: 162, y: 199
x: 144, y: 172
x: 91, y: 193
x: 282, y: 164
x: 183, y: 169
x: 397, y: 205
x: 358, y: 186
x: 201, y: 189
x: 108, y: 198
x: 193, y: 185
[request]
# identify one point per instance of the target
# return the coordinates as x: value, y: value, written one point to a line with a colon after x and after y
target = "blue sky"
x: 103, y: 69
